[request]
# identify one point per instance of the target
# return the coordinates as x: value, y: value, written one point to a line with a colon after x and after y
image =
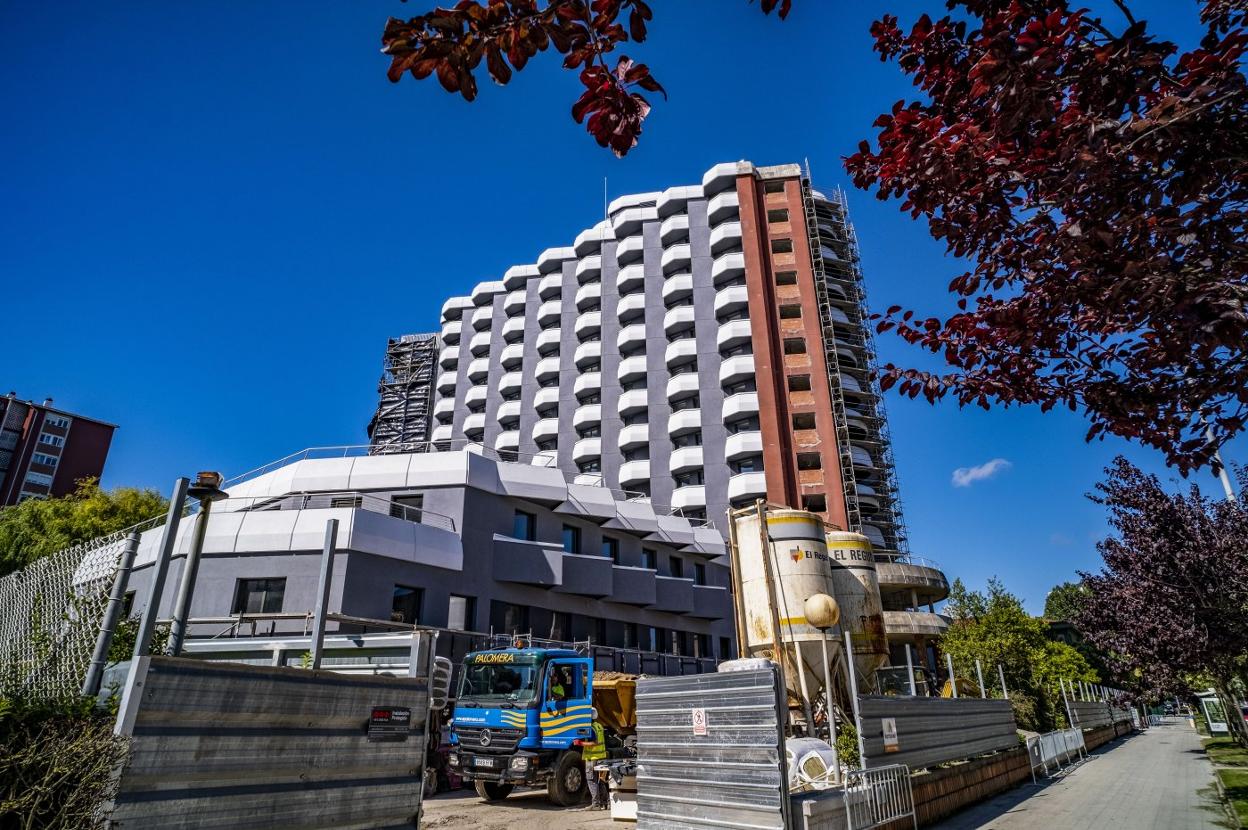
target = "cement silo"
x: 857, y: 591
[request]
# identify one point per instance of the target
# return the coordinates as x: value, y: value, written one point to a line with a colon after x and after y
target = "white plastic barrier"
x: 1054, y: 748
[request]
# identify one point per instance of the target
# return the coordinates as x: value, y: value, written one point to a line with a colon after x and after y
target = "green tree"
x: 39, y: 527
x: 1065, y: 600
x: 993, y: 627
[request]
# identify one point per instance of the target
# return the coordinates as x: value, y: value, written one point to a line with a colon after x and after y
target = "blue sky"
x: 214, y: 216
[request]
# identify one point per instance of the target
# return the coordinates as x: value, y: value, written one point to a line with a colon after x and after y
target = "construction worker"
x: 592, y: 753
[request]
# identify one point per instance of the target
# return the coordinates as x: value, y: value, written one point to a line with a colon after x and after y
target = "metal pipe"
x: 112, y: 615
x: 1217, y: 459
x: 1070, y: 715
x: 853, y: 696
x: 979, y: 671
x: 910, y: 672
x: 160, y: 568
x: 186, y: 588
x: 779, y: 651
x: 734, y: 573
x: 953, y: 680
x: 829, y: 706
x: 322, y: 591
x: 1005, y: 693
x: 807, y: 706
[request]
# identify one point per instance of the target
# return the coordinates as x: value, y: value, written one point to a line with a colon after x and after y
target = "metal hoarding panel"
x: 933, y: 730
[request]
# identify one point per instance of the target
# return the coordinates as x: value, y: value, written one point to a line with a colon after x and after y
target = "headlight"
x: 520, y: 763
x: 453, y: 759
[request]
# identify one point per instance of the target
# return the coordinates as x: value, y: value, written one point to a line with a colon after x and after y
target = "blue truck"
x: 520, y: 714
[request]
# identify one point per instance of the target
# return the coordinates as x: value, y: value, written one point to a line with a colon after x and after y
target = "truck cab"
x: 518, y: 716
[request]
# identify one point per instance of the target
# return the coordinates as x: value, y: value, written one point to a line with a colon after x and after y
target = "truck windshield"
x: 486, y: 681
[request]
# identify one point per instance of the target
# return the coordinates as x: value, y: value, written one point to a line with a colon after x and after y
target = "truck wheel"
x: 566, y: 786
x: 492, y: 790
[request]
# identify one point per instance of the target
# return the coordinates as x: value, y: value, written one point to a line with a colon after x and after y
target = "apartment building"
x: 45, y: 451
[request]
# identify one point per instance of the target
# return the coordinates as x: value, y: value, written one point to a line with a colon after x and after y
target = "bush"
x: 56, y: 765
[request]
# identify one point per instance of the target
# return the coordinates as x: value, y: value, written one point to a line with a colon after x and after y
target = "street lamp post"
x: 823, y: 613
x: 207, y: 488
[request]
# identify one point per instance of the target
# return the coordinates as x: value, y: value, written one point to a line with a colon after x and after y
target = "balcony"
x: 684, y: 385
x: 677, y: 287
x: 451, y: 331
x: 586, y: 449
x: 513, y: 329
x: 675, y: 199
x: 515, y: 302
x: 632, y: 368
x: 546, y: 396
x: 549, y: 313
x: 742, y: 444
x: 684, y: 420
x: 552, y: 259
x: 548, y: 341
x: 589, y: 241
x: 587, y: 384
x: 676, y: 258
x: 634, y: 400
x: 545, y: 429
x: 734, y: 369
x: 630, y: 278
x: 681, y: 351
x: 678, y: 318
x: 442, y: 432
x: 480, y: 343
x: 631, y: 307
x: 632, y: 586
x: 587, y: 324
x: 588, y: 576
x: 482, y: 318
x: 517, y: 275
x: 726, y: 237
x: 587, y: 353
x: 448, y: 358
x: 730, y: 299
x: 547, y: 368
x: 740, y: 405
x: 512, y: 356
x: 684, y: 459
x: 529, y: 563
x: 508, y: 413
x: 633, y: 473
x: 507, y: 440
x: 474, y: 425
x: 910, y: 624
x: 630, y: 250
x: 733, y: 333
x: 446, y: 383
x: 723, y: 177
x: 689, y: 497
x: 483, y: 293
x: 628, y: 222
x: 454, y: 308
x: 727, y: 267
x: 589, y: 268
x: 711, y: 602
x: 675, y: 228
x: 510, y: 384
x: 726, y: 205
x: 633, y: 435
x: 861, y: 457
x: 444, y: 409
x: 479, y: 369
x: 673, y: 594
x: 927, y: 582
x: 550, y: 286
x: 475, y: 396
x: 747, y: 486
x: 589, y: 294
x: 631, y: 337
x: 587, y: 416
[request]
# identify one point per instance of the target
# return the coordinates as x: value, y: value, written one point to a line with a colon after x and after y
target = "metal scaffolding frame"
x: 405, y: 393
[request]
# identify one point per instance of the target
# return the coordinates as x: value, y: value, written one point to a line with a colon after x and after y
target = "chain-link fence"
x: 50, y: 614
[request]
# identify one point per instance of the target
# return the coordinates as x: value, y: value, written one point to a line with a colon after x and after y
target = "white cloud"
x: 966, y: 476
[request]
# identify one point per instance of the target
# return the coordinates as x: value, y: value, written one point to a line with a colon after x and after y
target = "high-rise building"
x: 46, y: 451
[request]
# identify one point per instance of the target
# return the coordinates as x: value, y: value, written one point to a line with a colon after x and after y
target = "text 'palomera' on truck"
x: 521, y: 712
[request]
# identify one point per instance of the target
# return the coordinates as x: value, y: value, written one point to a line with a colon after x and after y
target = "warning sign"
x: 699, y: 721
x: 890, y: 735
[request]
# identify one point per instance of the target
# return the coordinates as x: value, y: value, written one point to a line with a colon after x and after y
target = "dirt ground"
x: 522, y: 810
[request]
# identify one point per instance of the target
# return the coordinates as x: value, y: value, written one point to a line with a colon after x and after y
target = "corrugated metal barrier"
x: 225, y: 745
x: 710, y: 752
x: 925, y: 731
x: 1090, y: 714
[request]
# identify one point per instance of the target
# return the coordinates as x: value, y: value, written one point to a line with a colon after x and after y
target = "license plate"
x: 483, y: 762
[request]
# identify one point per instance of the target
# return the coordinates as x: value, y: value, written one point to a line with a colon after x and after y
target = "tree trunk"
x: 1234, y: 717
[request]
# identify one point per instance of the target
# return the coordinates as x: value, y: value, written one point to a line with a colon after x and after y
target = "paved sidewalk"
x: 1159, y: 779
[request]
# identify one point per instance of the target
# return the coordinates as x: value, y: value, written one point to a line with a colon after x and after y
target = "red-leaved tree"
x: 1172, y: 599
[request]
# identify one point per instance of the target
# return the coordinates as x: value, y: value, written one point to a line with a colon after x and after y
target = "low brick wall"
x: 942, y: 792
x: 1093, y: 738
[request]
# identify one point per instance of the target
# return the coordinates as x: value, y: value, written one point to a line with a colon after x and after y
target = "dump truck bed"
x: 615, y: 698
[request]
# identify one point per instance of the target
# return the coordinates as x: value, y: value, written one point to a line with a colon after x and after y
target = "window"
x: 790, y: 312
x: 405, y: 606
x: 461, y: 614
x: 642, y: 417
x: 572, y: 538
x: 803, y: 420
x: 611, y: 548
x: 258, y: 596
x: 508, y: 618
x: 699, y: 573
x: 684, y: 368
x: 46, y: 460
x: 775, y: 186
x: 743, y: 425
x: 778, y: 215
x: 593, y: 466
x: 795, y: 345
x: 594, y: 431
x: 560, y: 625
x: 546, y: 383
x: 593, y: 366
x: 689, y: 439
x: 586, y: 400
x: 702, y: 646
x: 637, y: 454
x: 650, y: 559
x: 725, y: 648
x: 733, y: 351
x: 676, y: 566
x: 51, y: 440
x: 635, y: 383
x: 782, y: 246
x: 786, y: 278
x: 42, y: 479
x: 747, y: 385
x: 809, y: 461
x: 815, y: 503
x: 753, y: 464
x: 407, y: 507
x: 524, y: 526
x: 688, y: 479
x: 630, y: 635
x: 799, y: 383
x: 346, y: 501
x: 686, y: 403
x: 512, y: 396
x: 653, y: 636
x: 547, y: 446
x: 56, y: 421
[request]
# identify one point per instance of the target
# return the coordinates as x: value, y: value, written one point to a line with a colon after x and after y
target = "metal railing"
x: 305, y: 500
x: 879, y: 796
x: 1054, y: 748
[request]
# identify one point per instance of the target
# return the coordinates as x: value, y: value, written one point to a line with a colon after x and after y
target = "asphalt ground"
x: 522, y: 810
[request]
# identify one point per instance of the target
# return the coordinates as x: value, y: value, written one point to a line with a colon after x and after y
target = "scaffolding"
x: 405, y: 394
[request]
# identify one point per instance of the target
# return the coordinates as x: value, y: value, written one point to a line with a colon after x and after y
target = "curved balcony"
x: 630, y: 250
x: 587, y: 324
x: 740, y: 405
x: 678, y: 318
x: 446, y: 383
x: 552, y: 259
x: 589, y: 241
x: 684, y: 459
x: 482, y: 318
x: 442, y: 432
x: 474, y: 425
x: 848, y: 358
x: 725, y: 237
x: 589, y: 294
x: 631, y: 368
x: 507, y: 440
x: 589, y: 268
x: 630, y: 278
x: 517, y: 275
x: 544, y: 397
x: 733, y: 333
x: 731, y: 298
x: 736, y: 369
x: 684, y: 420
x: 549, y: 313
x: 634, y: 472
x: 684, y: 385
x: 587, y: 353
x: 475, y: 396
x: 586, y: 384
x: 454, y: 308
x: 861, y: 457
x: 742, y: 444
x: 850, y: 384
x: 723, y: 176
x: 911, y: 624
x: 444, y: 410
x: 927, y: 582
x: 681, y: 351
x: 448, y: 358
x: 727, y: 267
x: 548, y: 341
x: 689, y: 497
x: 634, y: 400
x: 550, y: 286
x: 480, y: 343
x: 634, y: 435
x: 512, y: 356
x: 586, y: 449
x: 878, y: 542
x: 675, y: 199
x: 629, y: 221
x: 677, y: 287
x: 547, y: 368
x: 631, y: 307
x: 676, y: 258
x: 587, y: 415
x: 513, y: 329
x: 451, y: 330
x: 631, y: 337
x: 479, y: 369
x: 483, y: 293
x: 515, y: 302
x: 545, y: 429
x: 726, y: 205
x: 675, y: 228
x: 747, y: 486
x: 510, y: 383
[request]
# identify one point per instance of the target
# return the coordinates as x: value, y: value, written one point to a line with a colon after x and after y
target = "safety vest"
x: 597, y: 750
